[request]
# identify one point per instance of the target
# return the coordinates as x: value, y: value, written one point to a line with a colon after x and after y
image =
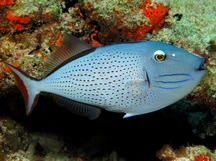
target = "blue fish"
x: 132, y: 78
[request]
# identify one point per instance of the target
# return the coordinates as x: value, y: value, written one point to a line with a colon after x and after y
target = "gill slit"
x: 148, y: 80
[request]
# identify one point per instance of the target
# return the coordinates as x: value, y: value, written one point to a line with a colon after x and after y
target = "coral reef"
x: 30, y: 30
x: 39, y: 25
x: 19, y: 144
x: 20, y: 15
x: 125, y: 20
x: 193, y: 153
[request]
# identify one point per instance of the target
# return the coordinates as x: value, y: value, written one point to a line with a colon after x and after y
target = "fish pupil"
x: 160, y: 57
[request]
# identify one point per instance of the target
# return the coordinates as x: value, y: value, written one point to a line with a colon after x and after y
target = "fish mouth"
x: 201, y: 66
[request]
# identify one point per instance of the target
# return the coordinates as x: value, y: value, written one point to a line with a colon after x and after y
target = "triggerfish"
x: 132, y: 78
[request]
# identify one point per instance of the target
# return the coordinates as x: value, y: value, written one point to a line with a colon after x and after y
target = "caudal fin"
x: 27, y: 86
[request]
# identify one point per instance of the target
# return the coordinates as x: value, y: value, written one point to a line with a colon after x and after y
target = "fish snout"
x: 201, y: 65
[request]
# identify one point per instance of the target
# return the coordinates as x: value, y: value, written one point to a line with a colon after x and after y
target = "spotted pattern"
x: 105, y: 78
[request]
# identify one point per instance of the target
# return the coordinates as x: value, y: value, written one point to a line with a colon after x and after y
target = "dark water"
x: 135, y: 139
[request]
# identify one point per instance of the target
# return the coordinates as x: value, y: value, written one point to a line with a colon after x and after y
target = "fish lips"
x: 201, y: 66
x: 201, y: 69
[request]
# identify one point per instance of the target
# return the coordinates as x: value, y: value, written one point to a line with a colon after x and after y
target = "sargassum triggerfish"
x: 132, y: 78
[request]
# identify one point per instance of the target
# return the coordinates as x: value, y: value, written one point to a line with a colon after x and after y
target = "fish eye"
x: 159, y: 55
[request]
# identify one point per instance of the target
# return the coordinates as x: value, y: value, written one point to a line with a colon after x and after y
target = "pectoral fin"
x: 137, y: 87
x: 129, y: 115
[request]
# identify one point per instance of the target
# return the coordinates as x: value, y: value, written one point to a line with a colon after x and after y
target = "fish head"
x: 172, y: 72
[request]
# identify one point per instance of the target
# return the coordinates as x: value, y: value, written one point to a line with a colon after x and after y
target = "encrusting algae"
x: 30, y: 30
x: 192, y: 153
x: 125, y: 20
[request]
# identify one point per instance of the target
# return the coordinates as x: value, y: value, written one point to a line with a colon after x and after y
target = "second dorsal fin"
x: 71, y: 48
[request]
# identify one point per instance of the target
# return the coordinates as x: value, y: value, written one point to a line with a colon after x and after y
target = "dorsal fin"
x: 70, y: 49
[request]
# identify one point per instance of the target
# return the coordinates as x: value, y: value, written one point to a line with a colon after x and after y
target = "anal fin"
x: 78, y: 108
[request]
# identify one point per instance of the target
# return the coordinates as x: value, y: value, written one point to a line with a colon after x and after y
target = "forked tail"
x: 27, y: 87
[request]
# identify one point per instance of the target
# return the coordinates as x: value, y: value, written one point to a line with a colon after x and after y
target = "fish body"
x: 131, y: 78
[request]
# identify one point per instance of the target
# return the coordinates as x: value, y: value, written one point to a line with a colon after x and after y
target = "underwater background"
x: 30, y: 30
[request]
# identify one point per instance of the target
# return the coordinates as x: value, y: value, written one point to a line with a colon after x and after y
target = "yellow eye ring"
x: 159, y: 55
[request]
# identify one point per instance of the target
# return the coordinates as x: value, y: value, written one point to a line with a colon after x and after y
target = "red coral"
x: 6, y: 2
x: 201, y: 157
x: 18, y: 27
x: 156, y: 15
x: 18, y: 21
